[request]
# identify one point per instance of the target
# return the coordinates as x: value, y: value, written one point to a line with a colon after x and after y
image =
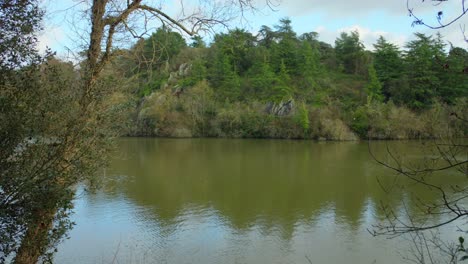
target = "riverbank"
x: 195, y: 113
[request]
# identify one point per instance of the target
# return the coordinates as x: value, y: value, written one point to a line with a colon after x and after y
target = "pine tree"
x: 422, y: 59
x: 310, y: 64
x: 388, y: 64
x: 454, y: 80
x: 224, y: 79
x: 282, y: 89
x: 350, y: 52
x: 262, y: 79
x: 286, y: 50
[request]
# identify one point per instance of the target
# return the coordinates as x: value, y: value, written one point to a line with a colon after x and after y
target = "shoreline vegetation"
x: 280, y: 85
x: 182, y: 117
x: 277, y: 84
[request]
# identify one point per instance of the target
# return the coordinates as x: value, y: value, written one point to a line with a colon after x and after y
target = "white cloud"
x: 51, y: 37
x: 339, y: 8
x: 452, y: 34
x: 367, y: 36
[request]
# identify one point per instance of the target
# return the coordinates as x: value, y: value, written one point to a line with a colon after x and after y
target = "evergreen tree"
x: 197, y: 42
x: 198, y: 72
x: 454, y: 79
x: 160, y: 47
x: 224, y: 79
x: 350, y: 52
x: 262, y: 79
x: 287, y: 49
x: 237, y: 45
x: 388, y: 64
x: 282, y: 89
x: 310, y: 64
x: 423, y: 71
x: 267, y: 37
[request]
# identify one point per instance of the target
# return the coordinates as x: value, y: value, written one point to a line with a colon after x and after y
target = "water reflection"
x: 239, y: 201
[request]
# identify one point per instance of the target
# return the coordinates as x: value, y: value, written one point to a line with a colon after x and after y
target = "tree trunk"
x: 35, y: 242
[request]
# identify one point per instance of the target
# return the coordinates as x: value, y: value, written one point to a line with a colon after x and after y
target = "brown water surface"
x: 241, y: 201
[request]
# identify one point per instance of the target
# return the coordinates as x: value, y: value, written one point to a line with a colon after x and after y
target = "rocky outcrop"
x: 183, y: 71
x: 280, y: 109
x: 174, y: 77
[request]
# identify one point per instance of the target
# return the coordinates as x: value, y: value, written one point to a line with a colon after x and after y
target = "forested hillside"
x: 278, y: 84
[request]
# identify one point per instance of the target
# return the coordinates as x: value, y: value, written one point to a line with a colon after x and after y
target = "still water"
x: 240, y: 201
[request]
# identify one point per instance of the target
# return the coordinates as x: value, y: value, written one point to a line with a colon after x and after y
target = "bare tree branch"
x: 419, y: 21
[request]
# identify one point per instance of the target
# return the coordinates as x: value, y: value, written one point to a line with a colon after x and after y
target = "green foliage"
x: 55, y: 130
x: 41, y: 130
x: 350, y: 52
x: 310, y: 66
x: 236, y: 46
x: 198, y: 73
x: 388, y: 64
x: 156, y: 81
x: 225, y: 78
x: 302, y: 118
x: 197, y: 42
x: 286, y: 49
x: 423, y: 71
x: 360, y: 123
x: 262, y: 80
x: 54, y: 134
x: 373, y: 88
x: 352, y: 89
x: 282, y: 90
x: 454, y: 79
x: 20, y: 23
x: 161, y: 46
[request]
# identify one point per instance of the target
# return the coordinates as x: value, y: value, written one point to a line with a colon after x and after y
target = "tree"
x: 388, y: 64
x: 267, y: 36
x: 160, y: 47
x: 423, y: 71
x: 350, y: 52
x: 373, y: 88
x: 21, y: 115
x: 310, y: 64
x: 262, y: 77
x: 46, y: 150
x: 20, y: 24
x: 286, y: 48
x: 224, y: 78
x: 197, y: 42
x: 453, y: 76
x: 282, y: 90
x: 237, y: 45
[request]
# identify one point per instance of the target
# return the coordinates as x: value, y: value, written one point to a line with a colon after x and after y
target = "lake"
x: 243, y: 201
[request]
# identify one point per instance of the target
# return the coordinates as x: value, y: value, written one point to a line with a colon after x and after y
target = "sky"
x: 65, y: 29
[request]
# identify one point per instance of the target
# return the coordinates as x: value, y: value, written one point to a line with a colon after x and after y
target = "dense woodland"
x: 278, y: 84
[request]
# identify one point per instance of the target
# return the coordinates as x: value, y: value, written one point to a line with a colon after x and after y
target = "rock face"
x: 183, y: 71
x: 281, y: 108
x: 174, y: 77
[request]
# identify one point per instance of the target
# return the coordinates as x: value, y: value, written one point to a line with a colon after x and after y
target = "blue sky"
x: 64, y: 24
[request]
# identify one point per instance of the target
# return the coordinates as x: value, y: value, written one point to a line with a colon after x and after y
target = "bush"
x: 360, y: 122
